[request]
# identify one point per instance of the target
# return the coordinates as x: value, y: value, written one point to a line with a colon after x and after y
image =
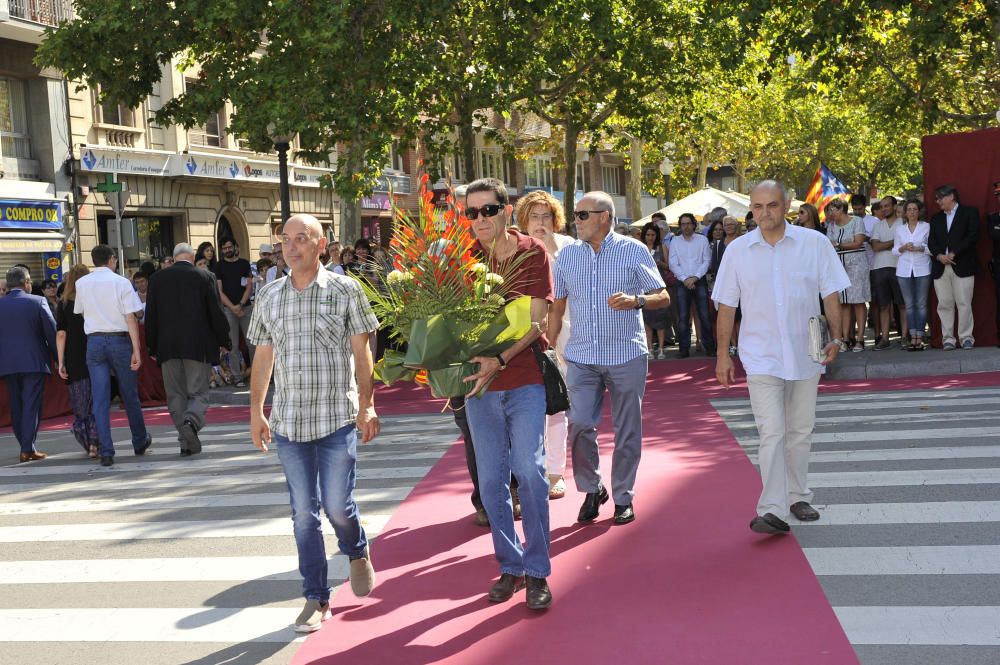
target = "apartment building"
x: 35, y: 186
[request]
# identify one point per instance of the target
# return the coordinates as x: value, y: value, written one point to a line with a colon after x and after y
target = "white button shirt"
x: 912, y: 264
x: 778, y: 288
x: 105, y: 298
x: 689, y: 258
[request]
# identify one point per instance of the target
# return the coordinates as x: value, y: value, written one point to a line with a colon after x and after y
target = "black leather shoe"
x: 539, y: 595
x: 624, y: 514
x: 804, y: 512
x: 107, y: 460
x: 503, y: 590
x: 189, y: 435
x: 592, y: 505
x: 143, y: 449
x: 482, y: 519
x: 769, y: 523
x: 685, y: 353
x: 185, y: 452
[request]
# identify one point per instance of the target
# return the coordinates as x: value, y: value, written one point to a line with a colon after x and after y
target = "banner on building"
x: 52, y: 262
x: 15, y: 214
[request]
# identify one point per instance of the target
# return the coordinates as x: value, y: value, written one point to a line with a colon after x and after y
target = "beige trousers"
x: 954, y: 292
x: 785, y: 412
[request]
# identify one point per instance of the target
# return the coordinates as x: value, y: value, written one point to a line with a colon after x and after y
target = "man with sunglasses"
x: 507, y: 418
x: 606, y: 279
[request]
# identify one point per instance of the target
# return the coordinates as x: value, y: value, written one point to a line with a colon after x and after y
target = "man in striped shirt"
x: 606, y: 279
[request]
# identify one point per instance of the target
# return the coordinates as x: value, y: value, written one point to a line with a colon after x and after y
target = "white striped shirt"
x: 601, y: 335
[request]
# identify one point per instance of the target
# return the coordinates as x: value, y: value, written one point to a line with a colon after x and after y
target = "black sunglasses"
x: 584, y: 215
x: 488, y: 210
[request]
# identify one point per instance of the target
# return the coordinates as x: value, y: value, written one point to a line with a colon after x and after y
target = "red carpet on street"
x: 687, y: 582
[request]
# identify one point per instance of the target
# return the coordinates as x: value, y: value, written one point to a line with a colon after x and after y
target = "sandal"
x: 858, y: 347
x: 92, y: 451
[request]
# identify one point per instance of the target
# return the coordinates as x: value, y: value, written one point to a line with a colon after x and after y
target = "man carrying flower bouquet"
x: 312, y: 328
x: 508, y: 416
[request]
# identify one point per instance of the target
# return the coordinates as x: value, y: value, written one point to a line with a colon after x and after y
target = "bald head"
x: 769, y: 205
x: 300, y: 222
x: 600, y: 201
x: 772, y: 185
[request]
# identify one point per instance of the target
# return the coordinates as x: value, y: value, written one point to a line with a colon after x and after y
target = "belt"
x: 108, y: 334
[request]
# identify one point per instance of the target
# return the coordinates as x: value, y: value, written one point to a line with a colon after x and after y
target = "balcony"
x: 43, y: 12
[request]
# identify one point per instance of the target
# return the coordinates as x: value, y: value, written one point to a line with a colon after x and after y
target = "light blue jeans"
x: 322, y: 473
x: 508, y: 433
x: 104, y: 354
x: 915, y: 290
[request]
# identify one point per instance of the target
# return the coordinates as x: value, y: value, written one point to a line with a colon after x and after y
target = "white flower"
x: 493, y: 278
x: 398, y: 276
x: 480, y: 268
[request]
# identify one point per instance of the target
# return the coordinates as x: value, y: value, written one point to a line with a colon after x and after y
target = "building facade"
x: 35, y: 185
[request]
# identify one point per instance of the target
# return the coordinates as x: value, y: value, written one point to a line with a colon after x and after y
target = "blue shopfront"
x: 31, y: 233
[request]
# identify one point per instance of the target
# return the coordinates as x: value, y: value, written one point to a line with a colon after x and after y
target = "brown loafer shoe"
x: 804, y: 512
x: 33, y: 456
x: 539, y: 596
x: 482, y: 519
x: 504, y: 589
x: 769, y: 523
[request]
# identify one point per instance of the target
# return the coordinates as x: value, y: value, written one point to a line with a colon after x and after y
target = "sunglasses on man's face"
x: 584, y: 215
x: 488, y: 210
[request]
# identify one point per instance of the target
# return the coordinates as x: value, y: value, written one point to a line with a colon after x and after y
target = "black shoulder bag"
x: 556, y: 393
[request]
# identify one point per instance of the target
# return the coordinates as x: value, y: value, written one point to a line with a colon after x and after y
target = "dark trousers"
x: 26, y: 391
x: 457, y: 405
x: 685, y: 296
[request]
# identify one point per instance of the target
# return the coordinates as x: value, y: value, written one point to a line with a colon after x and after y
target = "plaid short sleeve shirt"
x: 315, y: 391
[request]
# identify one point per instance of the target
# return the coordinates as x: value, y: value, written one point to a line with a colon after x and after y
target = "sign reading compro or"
x: 16, y: 214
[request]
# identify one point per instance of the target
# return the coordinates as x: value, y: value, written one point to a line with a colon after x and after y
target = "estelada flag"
x: 824, y: 188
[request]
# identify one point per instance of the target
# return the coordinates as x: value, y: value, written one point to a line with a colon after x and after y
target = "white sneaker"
x: 312, y: 616
x: 662, y: 355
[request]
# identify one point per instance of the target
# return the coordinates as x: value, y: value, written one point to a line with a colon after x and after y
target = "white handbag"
x: 819, y: 337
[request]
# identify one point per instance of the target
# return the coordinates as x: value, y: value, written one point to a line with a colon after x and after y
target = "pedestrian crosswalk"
x: 908, y: 545
x: 194, y: 555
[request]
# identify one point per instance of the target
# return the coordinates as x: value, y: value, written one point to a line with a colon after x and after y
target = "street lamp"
x: 666, y: 168
x: 281, y: 144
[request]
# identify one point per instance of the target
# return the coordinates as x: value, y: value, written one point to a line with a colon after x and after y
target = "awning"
x: 42, y: 241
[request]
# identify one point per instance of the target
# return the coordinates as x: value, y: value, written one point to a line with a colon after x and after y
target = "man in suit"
x: 185, y: 327
x: 27, y: 345
x: 952, y: 244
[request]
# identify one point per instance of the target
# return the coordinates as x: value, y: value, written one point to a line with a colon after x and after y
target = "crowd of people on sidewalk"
x: 605, y: 302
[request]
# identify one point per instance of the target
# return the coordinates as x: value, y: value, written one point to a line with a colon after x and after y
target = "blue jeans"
x: 104, y: 354
x: 915, y: 291
x: 700, y: 296
x: 508, y: 433
x: 322, y: 472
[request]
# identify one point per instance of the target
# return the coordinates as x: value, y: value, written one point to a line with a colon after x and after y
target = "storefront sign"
x: 20, y: 244
x: 145, y: 162
x: 53, y: 265
x: 15, y: 214
x: 308, y: 176
x: 225, y: 168
x: 376, y: 202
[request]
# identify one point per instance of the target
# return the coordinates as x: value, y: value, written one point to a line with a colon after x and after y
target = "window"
x: 582, y: 176
x: 491, y: 164
x: 396, y: 161
x: 208, y: 134
x: 611, y: 177
x: 116, y: 114
x: 538, y: 172
x: 14, y: 140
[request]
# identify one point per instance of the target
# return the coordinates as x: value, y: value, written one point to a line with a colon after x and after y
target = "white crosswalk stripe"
x: 225, y: 517
x: 908, y: 544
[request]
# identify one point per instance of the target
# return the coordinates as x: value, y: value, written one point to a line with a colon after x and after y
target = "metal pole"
x: 286, y: 205
x: 121, y: 243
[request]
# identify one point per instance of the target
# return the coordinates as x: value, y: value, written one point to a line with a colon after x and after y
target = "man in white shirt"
x: 109, y: 305
x: 690, y: 259
x: 280, y: 268
x: 775, y: 273
x: 885, y: 286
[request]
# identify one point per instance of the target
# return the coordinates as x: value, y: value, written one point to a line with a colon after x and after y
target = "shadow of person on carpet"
x: 401, y: 642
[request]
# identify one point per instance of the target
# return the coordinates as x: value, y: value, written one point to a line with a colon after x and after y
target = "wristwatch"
x: 640, y: 302
x: 503, y: 363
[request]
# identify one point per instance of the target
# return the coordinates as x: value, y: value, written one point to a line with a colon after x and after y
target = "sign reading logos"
x: 139, y: 162
x: 202, y: 165
x: 16, y: 214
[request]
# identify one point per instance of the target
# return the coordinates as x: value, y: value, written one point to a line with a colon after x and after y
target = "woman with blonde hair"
x: 540, y: 214
x: 71, y: 348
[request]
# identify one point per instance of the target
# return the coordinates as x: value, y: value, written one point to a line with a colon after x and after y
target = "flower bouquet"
x: 442, y: 301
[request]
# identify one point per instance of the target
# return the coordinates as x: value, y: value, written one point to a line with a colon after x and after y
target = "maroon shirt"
x: 533, y: 277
